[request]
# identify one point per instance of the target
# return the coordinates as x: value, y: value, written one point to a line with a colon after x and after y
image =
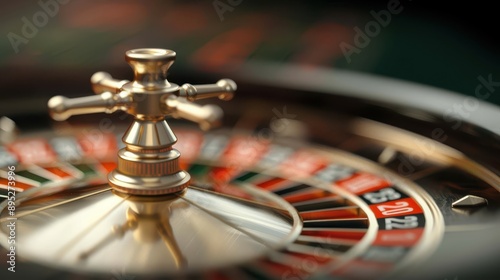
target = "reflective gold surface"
x: 148, y: 165
x: 193, y: 230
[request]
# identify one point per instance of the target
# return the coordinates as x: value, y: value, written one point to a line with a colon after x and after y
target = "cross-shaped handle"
x: 149, y: 96
x: 148, y: 165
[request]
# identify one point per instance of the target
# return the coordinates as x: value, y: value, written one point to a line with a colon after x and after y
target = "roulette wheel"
x: 311, y: 174
x: 305, y: 173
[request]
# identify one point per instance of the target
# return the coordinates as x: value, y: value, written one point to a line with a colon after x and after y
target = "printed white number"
x: 399, y: 207
x: 401, y: 223
x: 382, y: 196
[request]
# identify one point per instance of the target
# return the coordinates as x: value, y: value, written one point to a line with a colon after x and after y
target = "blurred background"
x: 52, y: 47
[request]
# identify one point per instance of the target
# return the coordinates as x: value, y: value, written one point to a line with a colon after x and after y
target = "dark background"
x: 442, y: 45
x: 447, y: 45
